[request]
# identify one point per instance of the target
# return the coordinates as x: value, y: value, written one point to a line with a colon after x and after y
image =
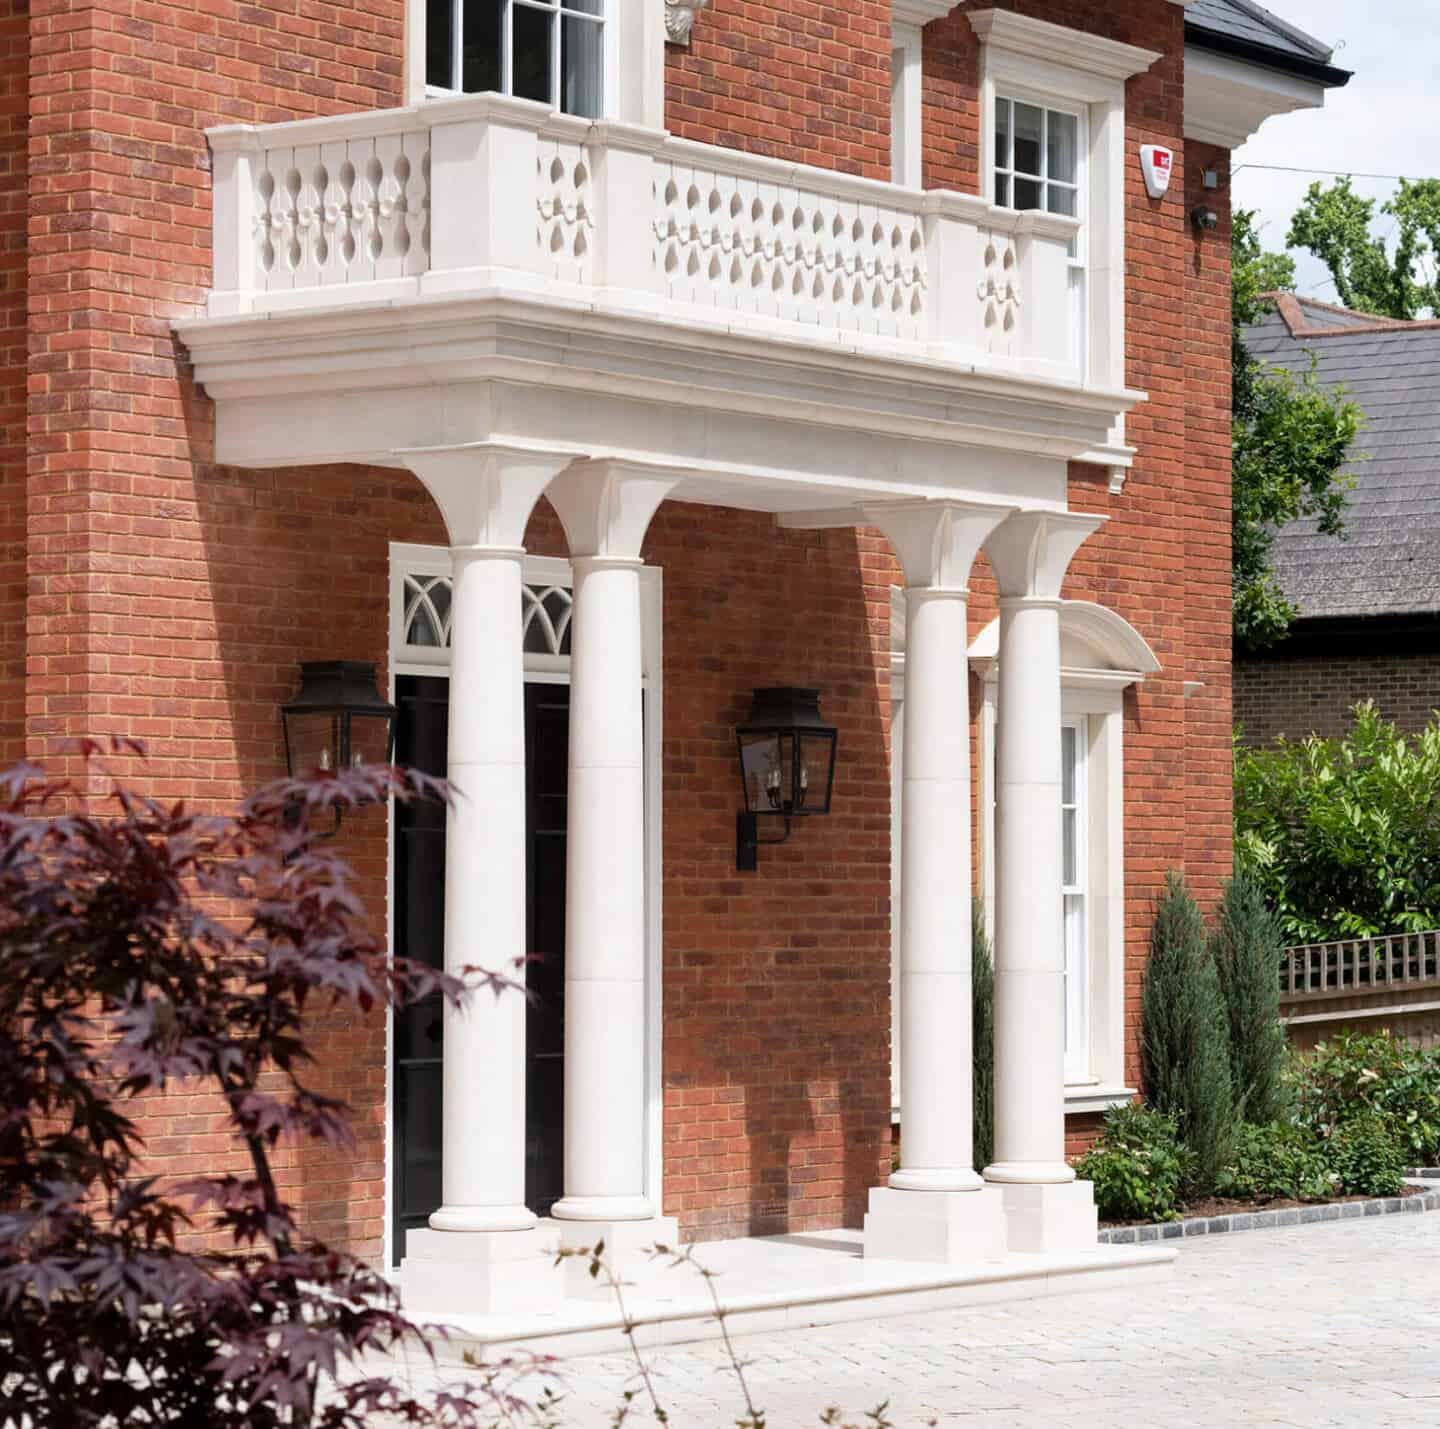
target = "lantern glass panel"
x: 314, y: 739
x: 817, y: 753
x: 762, y: 771
x: 369, y: 739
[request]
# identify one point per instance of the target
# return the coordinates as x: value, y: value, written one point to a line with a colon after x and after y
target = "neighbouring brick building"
x: 583, y: 410
x: 1368, y: 601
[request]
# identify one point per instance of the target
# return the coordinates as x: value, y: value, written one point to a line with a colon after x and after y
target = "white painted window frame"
x: 906, y: 109
x: 554, y: 670
x: 1062, y: 68
x: 1079, y: 261
x: 634, y: 87
x: 1095, y: 698
x: 1076, y: 899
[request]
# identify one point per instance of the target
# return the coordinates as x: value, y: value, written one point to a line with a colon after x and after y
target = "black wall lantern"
x: 787, y: 766
x: 338, y: 720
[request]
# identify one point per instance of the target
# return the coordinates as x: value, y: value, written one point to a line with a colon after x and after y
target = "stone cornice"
x: 1075, y: 49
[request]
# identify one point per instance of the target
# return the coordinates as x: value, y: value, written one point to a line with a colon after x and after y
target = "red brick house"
x: 687, y: 340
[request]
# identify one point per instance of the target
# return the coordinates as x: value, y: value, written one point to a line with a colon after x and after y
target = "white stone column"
x: 934, y: 1207
x: 486, y: 493
x: 606, y: 507
x: 1046, y: 1208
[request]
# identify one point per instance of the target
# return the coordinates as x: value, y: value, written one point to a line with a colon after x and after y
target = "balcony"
x: 460, y: 195
x: 489, y: 240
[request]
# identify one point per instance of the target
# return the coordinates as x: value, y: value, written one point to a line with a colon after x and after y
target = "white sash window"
x: 552, y: 51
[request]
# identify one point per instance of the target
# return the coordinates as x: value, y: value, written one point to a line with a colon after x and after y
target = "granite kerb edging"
x: 1264, y: 1220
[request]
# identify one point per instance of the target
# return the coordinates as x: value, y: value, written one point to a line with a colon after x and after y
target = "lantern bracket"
x: 748, y: 841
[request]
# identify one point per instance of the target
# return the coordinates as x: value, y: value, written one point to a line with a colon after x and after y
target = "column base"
x: 607, y: 1209
x: 481, y: 1272
x: 482, y: 1218
x: 944, y: 1227
x: 624, y: 1241
x: 1049, y: 1219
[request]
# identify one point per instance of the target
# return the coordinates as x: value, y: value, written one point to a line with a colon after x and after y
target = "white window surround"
x: 542, y: 667
x: 906, y: 149
x: 1053, y: 65
x: 1101, y: 656
x: 634, y: 60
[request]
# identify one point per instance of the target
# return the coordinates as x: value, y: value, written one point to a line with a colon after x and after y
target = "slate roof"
x: 1249, y: 31
x: 1389, y: 561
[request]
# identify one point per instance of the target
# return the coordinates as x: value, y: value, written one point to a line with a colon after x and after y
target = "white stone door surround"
x: 421, y: 586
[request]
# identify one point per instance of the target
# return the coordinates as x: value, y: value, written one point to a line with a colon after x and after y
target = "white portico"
x: 509, y: 302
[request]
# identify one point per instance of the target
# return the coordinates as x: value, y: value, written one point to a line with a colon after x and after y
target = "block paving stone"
x: 1319, y: 1325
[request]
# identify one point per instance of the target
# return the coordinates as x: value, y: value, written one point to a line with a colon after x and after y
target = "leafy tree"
x: 1246, y: 945
x: 1289, y: 441
x: 1185, y: 1043
x: 1343, y: 835
x: 143, y: 949
x: 1334, y: 223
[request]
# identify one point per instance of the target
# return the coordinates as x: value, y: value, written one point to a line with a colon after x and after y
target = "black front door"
x: 423, y: 706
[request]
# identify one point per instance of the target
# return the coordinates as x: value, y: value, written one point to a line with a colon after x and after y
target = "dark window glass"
x: 1027, y: 193
x: 530, y: 52
x: 440, y: 43
x: 480, y: 67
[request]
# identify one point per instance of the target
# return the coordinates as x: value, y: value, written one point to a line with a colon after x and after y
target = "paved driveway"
x: 1333, y: 1324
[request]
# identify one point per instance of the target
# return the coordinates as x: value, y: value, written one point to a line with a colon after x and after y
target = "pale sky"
x: 1384, y: 121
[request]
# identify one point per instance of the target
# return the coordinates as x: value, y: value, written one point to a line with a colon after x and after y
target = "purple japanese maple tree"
x: 142, y: 947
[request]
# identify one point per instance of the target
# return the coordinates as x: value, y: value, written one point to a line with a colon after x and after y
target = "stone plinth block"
x: 626, y: 1243
x: 1050, y: 1219
x: 946, y: 1227
x: 481, y: 1272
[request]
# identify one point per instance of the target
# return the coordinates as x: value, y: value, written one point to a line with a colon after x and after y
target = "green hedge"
x: 1343, y: 835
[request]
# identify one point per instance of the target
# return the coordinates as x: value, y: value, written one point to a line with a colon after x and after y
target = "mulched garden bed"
x: 1217, y: 1215
x: 1229, y: 1206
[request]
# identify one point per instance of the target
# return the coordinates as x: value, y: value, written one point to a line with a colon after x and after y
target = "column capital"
x: 486, y: 490
x: 936, y: 542
x: 606, y: 504
x: 1031, y: 551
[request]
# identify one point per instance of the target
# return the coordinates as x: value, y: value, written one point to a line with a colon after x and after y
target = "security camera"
x: 1204, y: 217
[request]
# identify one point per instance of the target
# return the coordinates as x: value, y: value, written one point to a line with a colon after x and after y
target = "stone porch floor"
x: 1318, y: 1325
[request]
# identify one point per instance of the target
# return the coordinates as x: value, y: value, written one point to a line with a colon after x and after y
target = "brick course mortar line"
x: 1269, y: 1220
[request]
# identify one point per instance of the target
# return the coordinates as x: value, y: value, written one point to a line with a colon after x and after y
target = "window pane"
x: 1029, y: 127
x: 582, y: 67
x: 1067, y: 822
x: 1067, y: 764
x: 1061, y: 146
x: 1002, y: 133
x: 1002, y: 190
x: 530, y: 31
x: 440, y: 43
x: 584, y: 7
x: 1027, y: 193
x: 1060, y: 200
x: 480, y: 54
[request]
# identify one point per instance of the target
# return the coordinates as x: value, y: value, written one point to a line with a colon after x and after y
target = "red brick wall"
x: 788, y: 78
x: 777, y: 982
x: 1208, y: 720
x: 1278, y: 693
x: 14, y: 112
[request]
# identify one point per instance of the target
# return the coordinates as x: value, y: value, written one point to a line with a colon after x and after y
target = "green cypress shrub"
x: 983, y: 1024
x: 1185, y: 1044
x: 1246, y: 946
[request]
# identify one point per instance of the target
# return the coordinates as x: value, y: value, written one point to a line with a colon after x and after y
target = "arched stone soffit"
x: 1092, y: 637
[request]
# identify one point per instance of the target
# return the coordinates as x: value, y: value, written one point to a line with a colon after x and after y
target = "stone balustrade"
x: 486, y: 196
